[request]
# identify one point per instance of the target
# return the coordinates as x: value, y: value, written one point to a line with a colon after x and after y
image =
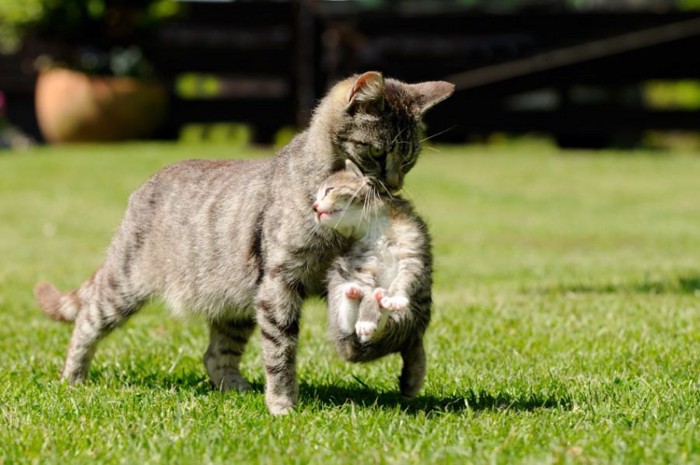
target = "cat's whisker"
x: 366, y: 206
x: 437, y: 134
x: 378, y: 183
x: 398, y: 134
x: 370, y: 204
x: 347, y: 207
x: 386, y: 189
x: 377, y: 200
x: 406, y: 193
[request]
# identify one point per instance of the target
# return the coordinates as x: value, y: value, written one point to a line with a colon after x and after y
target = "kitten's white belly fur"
x: 384, y: 268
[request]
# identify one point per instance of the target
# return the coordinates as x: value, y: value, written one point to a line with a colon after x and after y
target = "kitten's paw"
x: 353, y: 291
x: 379, y: 294
x: 394, y: 303
x: 365, y: 330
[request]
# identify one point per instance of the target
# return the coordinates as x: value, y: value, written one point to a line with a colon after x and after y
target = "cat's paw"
x: 365, y: 330
x: 353, y: 291
x: 279, y: 405
x: 395, y: 303
x: 229, y: 380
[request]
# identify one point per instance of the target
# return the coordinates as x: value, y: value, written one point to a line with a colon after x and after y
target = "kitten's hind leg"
x: 413, y: 371
x: 227, y: 343
x: 347, y: 307
x: 371, y: 320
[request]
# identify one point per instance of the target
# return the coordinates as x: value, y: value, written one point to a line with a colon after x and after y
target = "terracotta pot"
x: 76, y: 107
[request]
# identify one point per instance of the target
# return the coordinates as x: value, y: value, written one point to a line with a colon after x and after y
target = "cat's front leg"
x: 278, y: 308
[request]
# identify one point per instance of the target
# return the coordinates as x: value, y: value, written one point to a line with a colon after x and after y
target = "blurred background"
x: 582, y: 73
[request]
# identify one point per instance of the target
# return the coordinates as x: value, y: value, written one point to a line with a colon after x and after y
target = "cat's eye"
x: 327, y: 190
x: 376, y: 152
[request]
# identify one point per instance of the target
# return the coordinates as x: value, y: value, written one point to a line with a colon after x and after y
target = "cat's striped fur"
x: 235, y: 240
x: 379, y: 292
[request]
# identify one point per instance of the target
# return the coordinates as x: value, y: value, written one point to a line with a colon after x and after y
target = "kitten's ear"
x: 428, y: 94
x: 353, y: 168
x: 367, y: 92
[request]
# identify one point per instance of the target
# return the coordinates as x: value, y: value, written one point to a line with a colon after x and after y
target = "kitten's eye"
x: 376, y: 152
x: 328, y: 190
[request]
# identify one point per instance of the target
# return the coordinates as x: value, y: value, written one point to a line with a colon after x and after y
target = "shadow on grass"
x: 363, y: 396
x: 330, y: 395
x: 194, y: 381
x: 684, y: 284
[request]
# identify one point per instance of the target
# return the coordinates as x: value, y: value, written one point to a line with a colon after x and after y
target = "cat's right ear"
x: 367, y: 92
x: 353, y: 168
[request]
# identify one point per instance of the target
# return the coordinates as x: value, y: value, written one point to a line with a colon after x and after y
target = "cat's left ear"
x: 428, y: 94
x: 367, y: 92
x: 353, y: 168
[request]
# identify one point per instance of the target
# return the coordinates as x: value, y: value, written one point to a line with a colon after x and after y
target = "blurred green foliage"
x: 197, y: 85
x: 673, y: 95
x: 231, y: 134
x: 14, y: 14
x: 98, y: 22
x: 570, y: 4
x: 689, y: 4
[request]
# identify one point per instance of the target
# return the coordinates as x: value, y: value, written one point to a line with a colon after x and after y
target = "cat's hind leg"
x: 413, y: 371
x: 227, y: 342
x: 100, y: 305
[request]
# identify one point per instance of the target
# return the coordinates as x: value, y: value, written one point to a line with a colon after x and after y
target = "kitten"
x: 379, y: 292
x: 235, y: 240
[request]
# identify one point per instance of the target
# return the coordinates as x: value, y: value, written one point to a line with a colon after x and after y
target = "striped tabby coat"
x: 236, y: 241
x: 379, y: 292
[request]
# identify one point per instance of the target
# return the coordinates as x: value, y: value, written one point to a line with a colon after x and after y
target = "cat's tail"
x: 60, y: 306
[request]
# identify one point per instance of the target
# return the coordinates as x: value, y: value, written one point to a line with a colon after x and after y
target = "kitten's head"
x: 377, y: 124
x: 341, y: 201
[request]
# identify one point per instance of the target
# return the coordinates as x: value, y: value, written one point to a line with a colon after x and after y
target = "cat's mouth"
x: 322, y: 215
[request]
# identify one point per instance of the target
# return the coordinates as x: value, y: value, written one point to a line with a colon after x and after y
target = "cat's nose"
x: 393, y: 181
x: 315, y: 206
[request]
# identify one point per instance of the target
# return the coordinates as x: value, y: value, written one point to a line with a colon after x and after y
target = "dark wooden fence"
x: 572, y: 74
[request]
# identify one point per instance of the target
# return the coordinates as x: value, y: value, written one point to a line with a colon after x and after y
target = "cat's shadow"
x: 361, y: 395
x: 475, y: 400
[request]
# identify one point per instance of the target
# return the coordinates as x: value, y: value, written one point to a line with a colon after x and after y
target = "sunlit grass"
x: 565, y: 330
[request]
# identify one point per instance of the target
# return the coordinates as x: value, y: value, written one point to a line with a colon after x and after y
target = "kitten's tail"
x: 55, y: 304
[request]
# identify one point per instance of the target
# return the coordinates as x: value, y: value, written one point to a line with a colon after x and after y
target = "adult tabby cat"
x: 235, y: 240
x: 379, y: 292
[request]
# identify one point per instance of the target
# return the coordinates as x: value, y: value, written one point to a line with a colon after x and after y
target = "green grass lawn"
x: 566, y: 323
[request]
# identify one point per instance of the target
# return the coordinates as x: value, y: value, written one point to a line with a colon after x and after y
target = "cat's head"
x: 342, y: 199
x: 377, y: 124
